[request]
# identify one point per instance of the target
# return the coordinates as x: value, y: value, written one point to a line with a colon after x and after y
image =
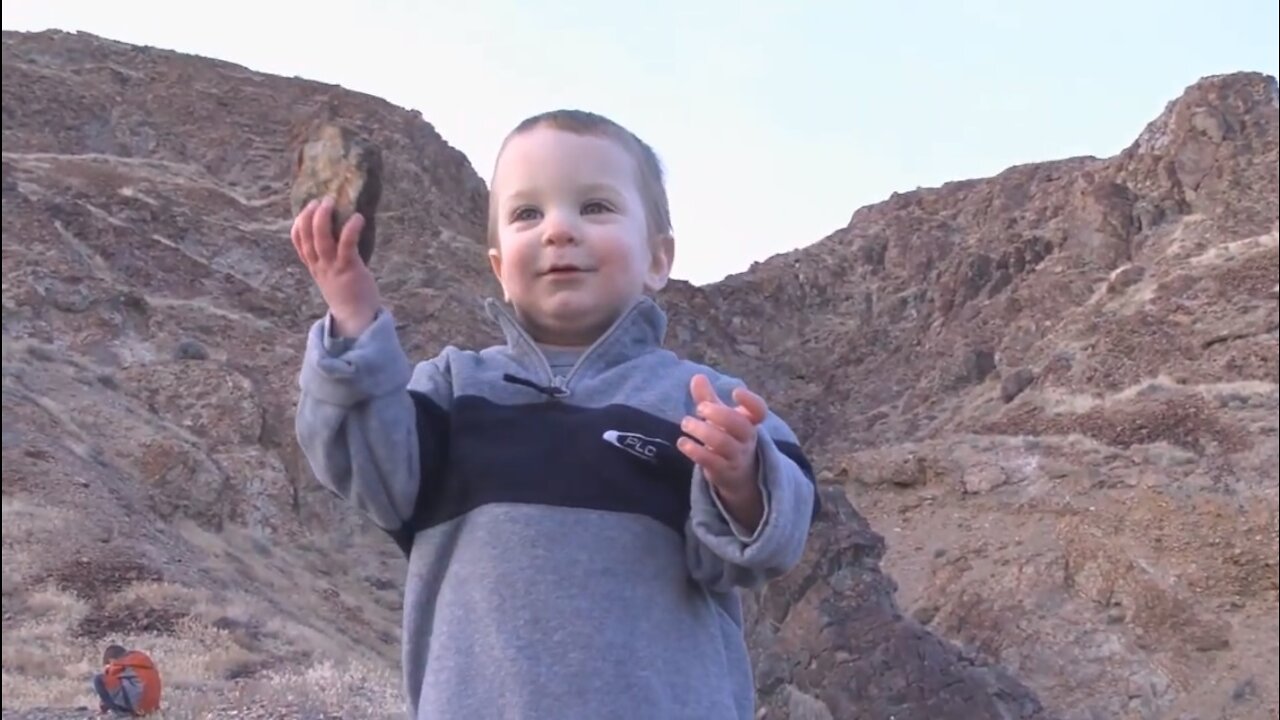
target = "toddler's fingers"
x: 713, y: 438
x: 701, y: 390
x: 729, y: 419
x: 751, y: 405
x: 326, y: 247
x: 296, y: 238
x: 711, y: 463
x: 349, y: 242
x: 301, y: 235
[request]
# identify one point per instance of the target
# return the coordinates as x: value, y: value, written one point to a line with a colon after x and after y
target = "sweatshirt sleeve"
x: 720, y: 553
x: 370, y: 427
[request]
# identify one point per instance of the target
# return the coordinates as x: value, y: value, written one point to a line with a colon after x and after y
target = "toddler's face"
x: 573, y: 243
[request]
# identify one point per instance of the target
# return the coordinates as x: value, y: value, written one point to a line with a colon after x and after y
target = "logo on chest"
x: 643, y: 447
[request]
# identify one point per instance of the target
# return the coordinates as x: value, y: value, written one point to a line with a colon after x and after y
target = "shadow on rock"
x: 830, y: 641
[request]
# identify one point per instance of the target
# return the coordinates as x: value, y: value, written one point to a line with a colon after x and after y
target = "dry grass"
x: 27, y: 524
x: 361, y: 688
x: 315, y: 599
x: 209, y: 666
x: 263, y: 644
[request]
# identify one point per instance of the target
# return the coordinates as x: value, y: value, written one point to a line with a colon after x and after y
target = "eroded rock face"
x: 1043, y: 404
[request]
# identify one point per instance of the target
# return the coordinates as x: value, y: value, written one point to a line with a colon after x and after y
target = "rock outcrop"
x: 1043, y: 404
x: 1054, y: 392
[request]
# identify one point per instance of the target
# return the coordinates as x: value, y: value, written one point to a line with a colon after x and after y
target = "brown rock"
x: 331, y: 159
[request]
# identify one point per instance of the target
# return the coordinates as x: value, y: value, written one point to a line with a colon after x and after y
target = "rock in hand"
x: 331, y: 159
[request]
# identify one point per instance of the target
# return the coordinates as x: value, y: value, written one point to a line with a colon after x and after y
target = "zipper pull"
x: 554, y: 391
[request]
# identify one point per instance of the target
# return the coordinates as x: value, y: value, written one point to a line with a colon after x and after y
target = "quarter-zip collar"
x: 642, y: 327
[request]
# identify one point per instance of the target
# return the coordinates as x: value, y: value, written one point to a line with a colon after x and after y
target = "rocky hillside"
x: 1044, y: 406
x: 1054, y: 392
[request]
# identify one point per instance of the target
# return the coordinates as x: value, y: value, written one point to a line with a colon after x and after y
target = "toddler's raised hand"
x: 345, y: 282
x: 725, y: 446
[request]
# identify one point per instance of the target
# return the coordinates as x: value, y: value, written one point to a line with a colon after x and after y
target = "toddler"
x: 578, y: 505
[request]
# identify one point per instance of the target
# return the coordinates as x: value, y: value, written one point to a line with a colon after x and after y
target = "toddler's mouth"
x: 565, y: 269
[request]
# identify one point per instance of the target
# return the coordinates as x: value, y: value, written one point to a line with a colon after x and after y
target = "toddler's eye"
x: 523, y: 214
x: 595, y: 207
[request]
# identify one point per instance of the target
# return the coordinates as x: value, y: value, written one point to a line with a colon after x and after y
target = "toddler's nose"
x: 558, y: 231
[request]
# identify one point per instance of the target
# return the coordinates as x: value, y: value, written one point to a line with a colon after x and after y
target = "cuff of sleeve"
x: 345, y: 371
x: 335, y: 345
x: 782, y: 528
x: 735, y: 527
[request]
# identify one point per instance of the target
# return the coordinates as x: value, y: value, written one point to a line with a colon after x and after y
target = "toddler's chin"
x: 577, y: 317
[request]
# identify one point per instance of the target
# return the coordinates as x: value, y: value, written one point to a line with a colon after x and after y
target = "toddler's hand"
x: 342, y: 277
x: 727, y: 453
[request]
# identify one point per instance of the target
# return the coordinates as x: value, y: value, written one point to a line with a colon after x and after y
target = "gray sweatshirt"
x: 565, y: 560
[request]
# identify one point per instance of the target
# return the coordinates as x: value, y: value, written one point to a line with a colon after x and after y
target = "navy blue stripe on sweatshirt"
x: 613, y: 458
x: 554, y: 454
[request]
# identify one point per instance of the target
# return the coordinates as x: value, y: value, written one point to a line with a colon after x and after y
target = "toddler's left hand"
x: 727, y: 453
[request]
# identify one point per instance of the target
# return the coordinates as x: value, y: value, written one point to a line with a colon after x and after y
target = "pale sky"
x: 775, y: 121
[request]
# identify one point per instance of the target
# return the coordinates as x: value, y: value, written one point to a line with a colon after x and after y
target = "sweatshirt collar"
x: 640, y: 328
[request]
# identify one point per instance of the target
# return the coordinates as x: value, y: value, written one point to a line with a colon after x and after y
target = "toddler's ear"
x: 495, y: 262
x: 661, y: 255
